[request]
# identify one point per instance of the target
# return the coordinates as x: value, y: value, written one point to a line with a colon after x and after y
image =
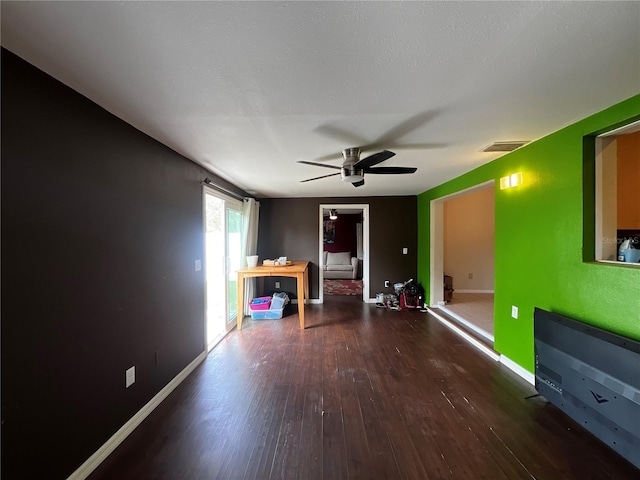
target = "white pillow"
x: 341, y: 258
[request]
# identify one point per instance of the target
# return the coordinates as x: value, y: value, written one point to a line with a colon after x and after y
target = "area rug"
x: 343, y: 287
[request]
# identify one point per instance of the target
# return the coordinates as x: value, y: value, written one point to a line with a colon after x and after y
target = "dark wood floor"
x: 361, y: 393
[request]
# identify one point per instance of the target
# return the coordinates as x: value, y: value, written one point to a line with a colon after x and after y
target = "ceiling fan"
x: 353, y: 169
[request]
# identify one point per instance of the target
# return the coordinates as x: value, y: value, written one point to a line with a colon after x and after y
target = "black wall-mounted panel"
x: 593, y: 376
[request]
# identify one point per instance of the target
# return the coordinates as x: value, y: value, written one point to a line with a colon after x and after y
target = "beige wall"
x: 607, y: 202
x: 469, y: 240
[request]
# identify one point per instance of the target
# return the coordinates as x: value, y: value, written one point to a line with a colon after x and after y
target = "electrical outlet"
x: 386, y: 283
x: 198, y: 265
x: 405, y: 250
x: 470, y: 276
x: 514, y: 311
x: 277, y: 284
x: 130, y: 377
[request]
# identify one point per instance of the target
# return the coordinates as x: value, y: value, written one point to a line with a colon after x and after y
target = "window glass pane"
x: 215, y: 267
x: 234, y: 262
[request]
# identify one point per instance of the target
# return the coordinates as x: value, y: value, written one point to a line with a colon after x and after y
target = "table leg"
x: 240, y: 299
x: 301, y: 299
x: 306, y: 286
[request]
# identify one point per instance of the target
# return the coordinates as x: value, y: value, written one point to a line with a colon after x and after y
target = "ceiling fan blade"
x: 409, y: 125
x: 358, y: 184
x: 389, y: 139
x: 390, y: 170
x: 416, y: 146
x: 318, y: 178
x: 374, y: 159
x: 319, y: 164
x: 343, y: 136
x: 331, y: 156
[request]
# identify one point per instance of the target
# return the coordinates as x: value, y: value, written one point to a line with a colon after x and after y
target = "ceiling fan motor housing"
x: 353, y: 169
x: 348, y: 172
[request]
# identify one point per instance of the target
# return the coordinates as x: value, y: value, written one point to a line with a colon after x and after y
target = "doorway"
x: 223, y: 244
x: 350, y: 242
x: 463, y: 248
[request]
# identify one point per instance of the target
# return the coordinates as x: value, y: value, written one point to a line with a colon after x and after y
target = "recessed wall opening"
x: 462, y: 258
x: 617, y: 195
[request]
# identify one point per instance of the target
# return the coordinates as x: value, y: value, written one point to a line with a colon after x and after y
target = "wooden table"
x: 297, y: 270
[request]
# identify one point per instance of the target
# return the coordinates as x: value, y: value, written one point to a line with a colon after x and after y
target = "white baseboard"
x: 517, y: 369
x: 506, y: 361
x: 460, y: 290
x: 483, y: 348
x: 467, y: 323
x: 310, y: 301
x: 110, y: 445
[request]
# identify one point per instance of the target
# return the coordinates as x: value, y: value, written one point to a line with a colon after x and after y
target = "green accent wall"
x: 540, y: 237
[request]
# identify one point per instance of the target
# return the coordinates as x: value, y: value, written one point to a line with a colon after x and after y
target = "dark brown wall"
x: 290, y: 226
x: 346, y: 234
x: 101, y: 226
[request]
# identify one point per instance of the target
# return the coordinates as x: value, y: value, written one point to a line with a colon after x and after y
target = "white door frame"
x: 436, y: 234
x: 365, y: 245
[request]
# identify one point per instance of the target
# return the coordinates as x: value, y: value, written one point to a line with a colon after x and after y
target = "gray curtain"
x: 250, y: 216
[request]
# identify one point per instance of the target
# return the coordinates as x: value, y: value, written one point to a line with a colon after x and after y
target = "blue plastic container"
x: 278, y: 302
x: 631, y: 255
x: 272, y: 314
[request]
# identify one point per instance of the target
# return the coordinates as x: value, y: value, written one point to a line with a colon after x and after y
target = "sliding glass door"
x: 223, y: 246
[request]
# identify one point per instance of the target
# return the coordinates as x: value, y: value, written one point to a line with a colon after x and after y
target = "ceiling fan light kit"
x: 348, y: 171
x: 353, y: 169
x: 351, y: 175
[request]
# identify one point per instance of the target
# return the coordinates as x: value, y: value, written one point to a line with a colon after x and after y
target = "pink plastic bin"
x: 260, y: 303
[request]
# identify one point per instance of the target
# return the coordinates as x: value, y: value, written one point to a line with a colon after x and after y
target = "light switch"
x: 130, y: 377
x: 405, y: 250
x: 198, y: 265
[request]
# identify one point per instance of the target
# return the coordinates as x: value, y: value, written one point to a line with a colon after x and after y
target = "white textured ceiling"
x: 246, y: 89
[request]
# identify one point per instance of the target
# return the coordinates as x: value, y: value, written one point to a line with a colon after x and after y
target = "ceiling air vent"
x: 504, y: 146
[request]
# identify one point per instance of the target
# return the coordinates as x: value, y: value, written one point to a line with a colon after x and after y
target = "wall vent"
x: 504, y: 146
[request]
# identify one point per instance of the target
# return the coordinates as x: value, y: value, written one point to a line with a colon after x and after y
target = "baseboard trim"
x: 506, y: 361
x: 489, y: 337
x: 110, y: 445
x: 484, y: 349
x: 310, y: 301
x: 518, y: 370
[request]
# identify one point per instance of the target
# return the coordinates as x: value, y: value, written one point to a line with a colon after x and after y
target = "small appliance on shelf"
x: 280, y: 262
